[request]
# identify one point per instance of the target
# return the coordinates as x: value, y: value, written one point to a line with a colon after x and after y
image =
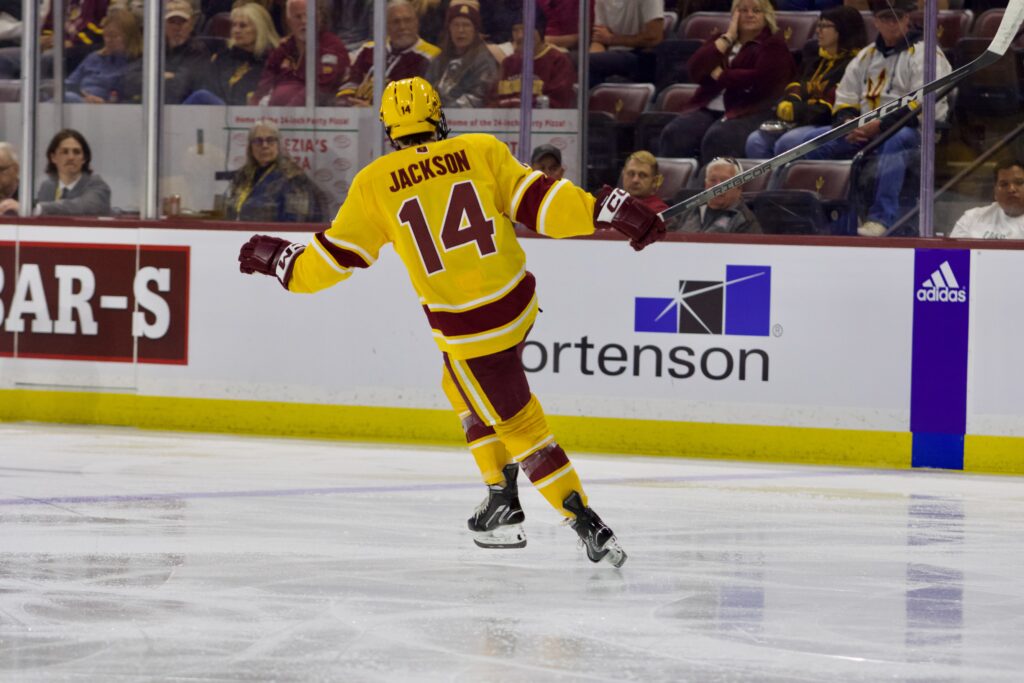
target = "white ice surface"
x: 146, y: 556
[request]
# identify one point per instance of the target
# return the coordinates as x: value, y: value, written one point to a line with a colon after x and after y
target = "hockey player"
x: 447, y: 206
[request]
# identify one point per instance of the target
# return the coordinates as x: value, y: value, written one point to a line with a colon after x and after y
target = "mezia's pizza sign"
x: 106, y: 302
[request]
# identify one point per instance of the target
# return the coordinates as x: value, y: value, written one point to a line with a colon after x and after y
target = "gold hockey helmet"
x: 411, y: 106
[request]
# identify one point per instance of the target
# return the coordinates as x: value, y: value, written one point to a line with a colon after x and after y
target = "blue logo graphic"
x: 739, y: 305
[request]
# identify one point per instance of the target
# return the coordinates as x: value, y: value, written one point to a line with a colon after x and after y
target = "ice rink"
x: 145, y: 556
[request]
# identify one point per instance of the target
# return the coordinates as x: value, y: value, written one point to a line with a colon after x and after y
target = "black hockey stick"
x: 1007, y: 31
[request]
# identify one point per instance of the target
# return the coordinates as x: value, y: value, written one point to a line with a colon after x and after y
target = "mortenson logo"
x: 942, y: 286
x: 738, y: 305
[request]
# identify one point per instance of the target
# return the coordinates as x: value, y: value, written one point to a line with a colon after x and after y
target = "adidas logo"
x: 942, y: 286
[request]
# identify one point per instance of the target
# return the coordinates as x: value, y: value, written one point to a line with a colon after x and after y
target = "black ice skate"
x: 595, y: 536
x: 498, y: 520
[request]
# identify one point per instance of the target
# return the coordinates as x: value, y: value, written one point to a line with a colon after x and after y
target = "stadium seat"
x: 869, y: 25
x: 953, y: 24
x: 702, y: 25
x: 806, y: 197
x: 995, y: 90
x: 797, y: 28
x: 624, y: 101
x: 671, y: 19
x: 676, y: 173
x: 987, y: 23
x: 218, y: 25
x: 670, y: 102
x: 10, y: 90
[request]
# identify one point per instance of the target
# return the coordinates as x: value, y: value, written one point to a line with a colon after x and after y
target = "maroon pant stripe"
x: 502, y: 379
x: 544, y: 462
x: 475, y: 429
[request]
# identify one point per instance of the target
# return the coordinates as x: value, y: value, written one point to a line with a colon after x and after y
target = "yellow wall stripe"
x: 591, y: 434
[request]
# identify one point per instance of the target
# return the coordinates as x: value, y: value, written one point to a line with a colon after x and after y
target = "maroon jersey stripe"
x: 544, y: 462
x: 487, y: 317
x: 529, y: 205
x: 344, y: 257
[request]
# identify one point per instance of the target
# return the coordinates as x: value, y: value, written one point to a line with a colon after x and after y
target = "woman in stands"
x: 808, y: 103
x: 98, y: 78
x: 271, y: 187
x: 465, y: 70
x: 70, y: 187
x: 741, y: 74
x: 234, y: 72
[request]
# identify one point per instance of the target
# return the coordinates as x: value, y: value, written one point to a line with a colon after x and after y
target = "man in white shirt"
x: 1004, y: 218
x: 622, y: 28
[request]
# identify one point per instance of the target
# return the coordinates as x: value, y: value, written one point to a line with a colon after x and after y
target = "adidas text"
x: 944, y: 295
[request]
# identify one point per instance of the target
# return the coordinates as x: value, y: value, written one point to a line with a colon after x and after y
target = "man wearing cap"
x: 879, y: 74
x: 283, y: 81
x: 185, y: 57
x: 553, y: 72
x: 548, y: 160
x: 406, y: 55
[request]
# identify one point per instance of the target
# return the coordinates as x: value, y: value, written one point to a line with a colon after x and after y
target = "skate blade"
x: 612, y: 553
x: 506, y: 536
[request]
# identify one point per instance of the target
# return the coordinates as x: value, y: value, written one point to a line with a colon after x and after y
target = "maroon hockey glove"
x: 617, y: 209
x: 269, y: 256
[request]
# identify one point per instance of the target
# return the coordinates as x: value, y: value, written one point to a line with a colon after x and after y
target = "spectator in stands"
x: 8, y: 180
x: 10, y: 23
x: 641, y: 178
x: 725, y: 213
x: 431, y: 14
x: 70, y: 187
x: 270, y: 187
x: 465, y: 70
x: 406, y: 55
x: 283, y: 82
x: 353, y: 22
x: 82, y: 35
x: 741, y: 73
x: 232, y: 75
x: 563, y: 18
x: 553, y: 72
x: 808, y: 102
x: 99, y: 78
x: 548, y: 160
x: 621, y: 30
x: 879, y: 74
x: 1001, y: 220
x: 185, y: 57
x: 807, y: 5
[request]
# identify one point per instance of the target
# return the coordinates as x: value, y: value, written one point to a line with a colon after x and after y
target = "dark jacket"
x: 280, y: 193
x: 815, y: 93
x: 233, y: 74
x: 739, y: 219
x: 89, y: 197
x: 753, y: 82
x: 184, y: 68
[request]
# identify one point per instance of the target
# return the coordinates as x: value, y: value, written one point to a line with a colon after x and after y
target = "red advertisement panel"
x: 106, y: 302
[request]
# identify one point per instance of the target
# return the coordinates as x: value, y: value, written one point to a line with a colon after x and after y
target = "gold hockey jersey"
x: 448, y: 208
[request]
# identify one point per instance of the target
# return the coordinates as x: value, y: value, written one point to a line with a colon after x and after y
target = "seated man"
x: 725, y: 213
x: 185, y: 57
x: 641, y: 179
x: 1002, y: 219
x: 283, y: 81
x: 879, y: 74
x: 548, y: 160
x: 621, y: 30
x: 406, y: 55
x: 553, y: 72
x: 8, y: 180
